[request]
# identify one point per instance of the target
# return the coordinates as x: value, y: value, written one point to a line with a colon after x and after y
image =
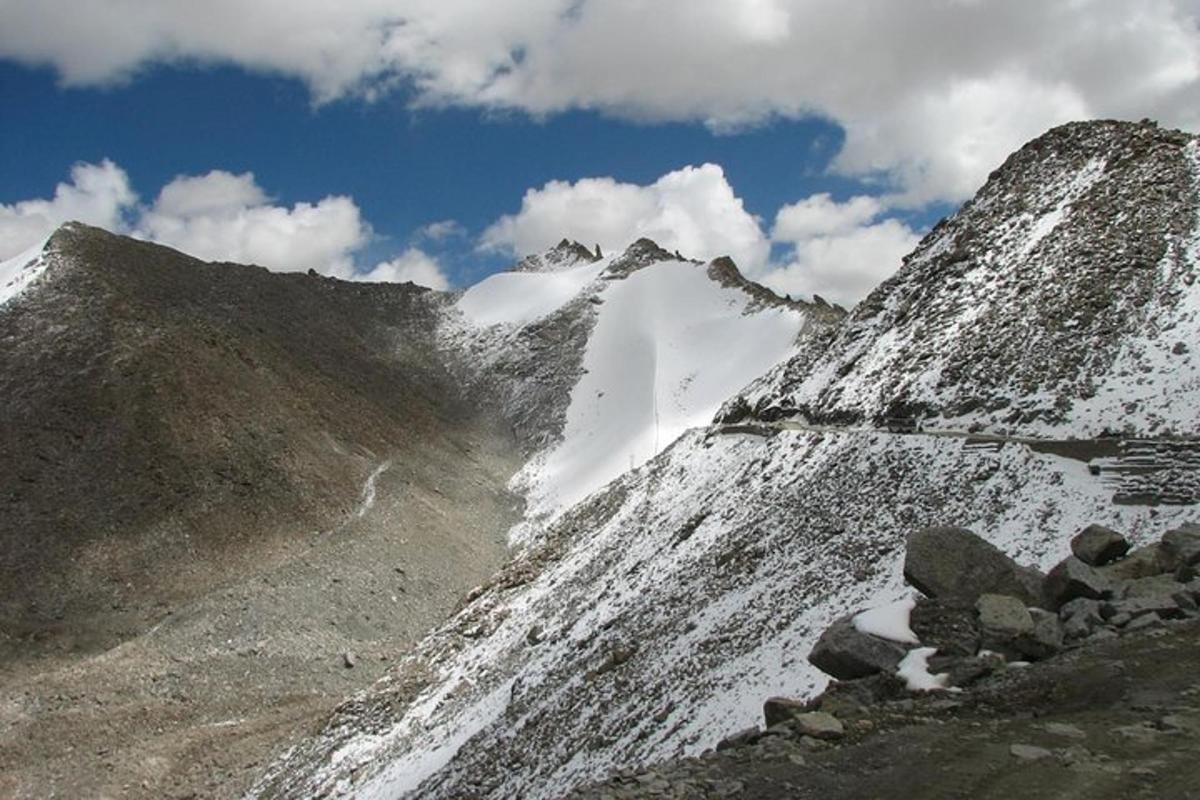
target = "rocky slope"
x: 1110, y: 709
x: 1059, y: 302
x: 650, y: 620
x: 217, y: 483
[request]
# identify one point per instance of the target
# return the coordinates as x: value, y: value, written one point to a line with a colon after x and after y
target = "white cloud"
x: 412, y: 265
x: 931, y: 93
x: 98, y: 194
x: 224, y: 217
x: 442, y: 230
x: 840, y: 251
x: 820, y: 215
x: 693, y: 210
x: 218, y: 216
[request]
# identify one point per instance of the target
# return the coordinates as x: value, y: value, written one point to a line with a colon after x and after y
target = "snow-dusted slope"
x: 1061, y: 301
x: 658, y: 615
x: 652, y: 619
x: 20, y: 271
x: 625, y: 353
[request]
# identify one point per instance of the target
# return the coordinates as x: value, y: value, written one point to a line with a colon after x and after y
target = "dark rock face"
x: 1181, y: 547
x: 782, y: 709
x: 956, y: 563
x: 1097, y: 545
x: 846, y: 653
x: 950, y: 625
x: 1072, y: 579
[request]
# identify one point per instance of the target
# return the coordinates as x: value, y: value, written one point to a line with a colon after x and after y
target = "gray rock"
x: 782, y: 709
x: 819, y: 725
x: 1143, y: 622
x: 1141, y: 563
x: 1153, y: 586
x: 950, y: 625
x: 1080, y: 618
x: 1181, y: 547
x: 1186, y: 602
x: 1097, y: 545
x: 1071, y: 579
x: 962, y: 671
x: 846, y: 653
x: 1046, y: 639
x: 954, y: 562
x: 1065, y: 730
x: 1029, y: 752
x: 349, y: 659
x: 1003, y: 620
x: 742, y: 737
x: 1163, y: 605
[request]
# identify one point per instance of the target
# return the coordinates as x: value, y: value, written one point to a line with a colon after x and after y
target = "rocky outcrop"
x: 955, y: 563
x: 1097, y: 545
x: 847, y: 653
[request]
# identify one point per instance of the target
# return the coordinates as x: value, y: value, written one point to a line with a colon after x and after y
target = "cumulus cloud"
x: 224, y: 217
x: 98, y: 194
x: 840, y: 251
x: 693, y: 210
x: 412, y: 265
x: 218, y: 216
x: 931, y: 93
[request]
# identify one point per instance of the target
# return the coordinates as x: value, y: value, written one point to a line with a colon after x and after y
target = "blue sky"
x: 405, y: 168
x: 839, y: 136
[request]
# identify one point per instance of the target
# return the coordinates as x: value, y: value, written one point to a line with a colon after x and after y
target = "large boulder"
x: 1017, y: 632
x: 1046, y: 638
x: 847, y: 653
x: 949, y: 624
x: 954, y: 562
x: 1080, y: 618
x: 782, y: 709
x: 1141, y: 563
x: 1181, y: 547
x: 1003, y: 619
x: 1071, y: 579
x: 1097, y: 545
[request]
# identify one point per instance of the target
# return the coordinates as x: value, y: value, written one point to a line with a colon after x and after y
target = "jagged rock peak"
x: 725, y: 271
x: 564, y: 255
x: 639, y: 255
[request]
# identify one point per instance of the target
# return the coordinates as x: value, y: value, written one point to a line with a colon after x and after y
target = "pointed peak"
x: 725, y: 271
x: 567, y: 253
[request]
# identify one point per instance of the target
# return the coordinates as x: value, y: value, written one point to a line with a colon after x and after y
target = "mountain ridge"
x: 650, y: 620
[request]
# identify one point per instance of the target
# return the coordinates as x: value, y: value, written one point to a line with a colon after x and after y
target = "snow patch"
x: 17, y: 273
x: 889, y: 622
x: 914, y: 671
x: 518, y: 298
x: 670, y: 345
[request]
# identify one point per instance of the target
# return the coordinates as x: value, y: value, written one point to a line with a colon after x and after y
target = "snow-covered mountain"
x: 652, y: 618
x: 603, y: 362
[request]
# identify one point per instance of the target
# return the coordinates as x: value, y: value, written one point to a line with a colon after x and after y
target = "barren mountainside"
x: 299, y: 537
x: 1058, y: 301
x: 651, y: 620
